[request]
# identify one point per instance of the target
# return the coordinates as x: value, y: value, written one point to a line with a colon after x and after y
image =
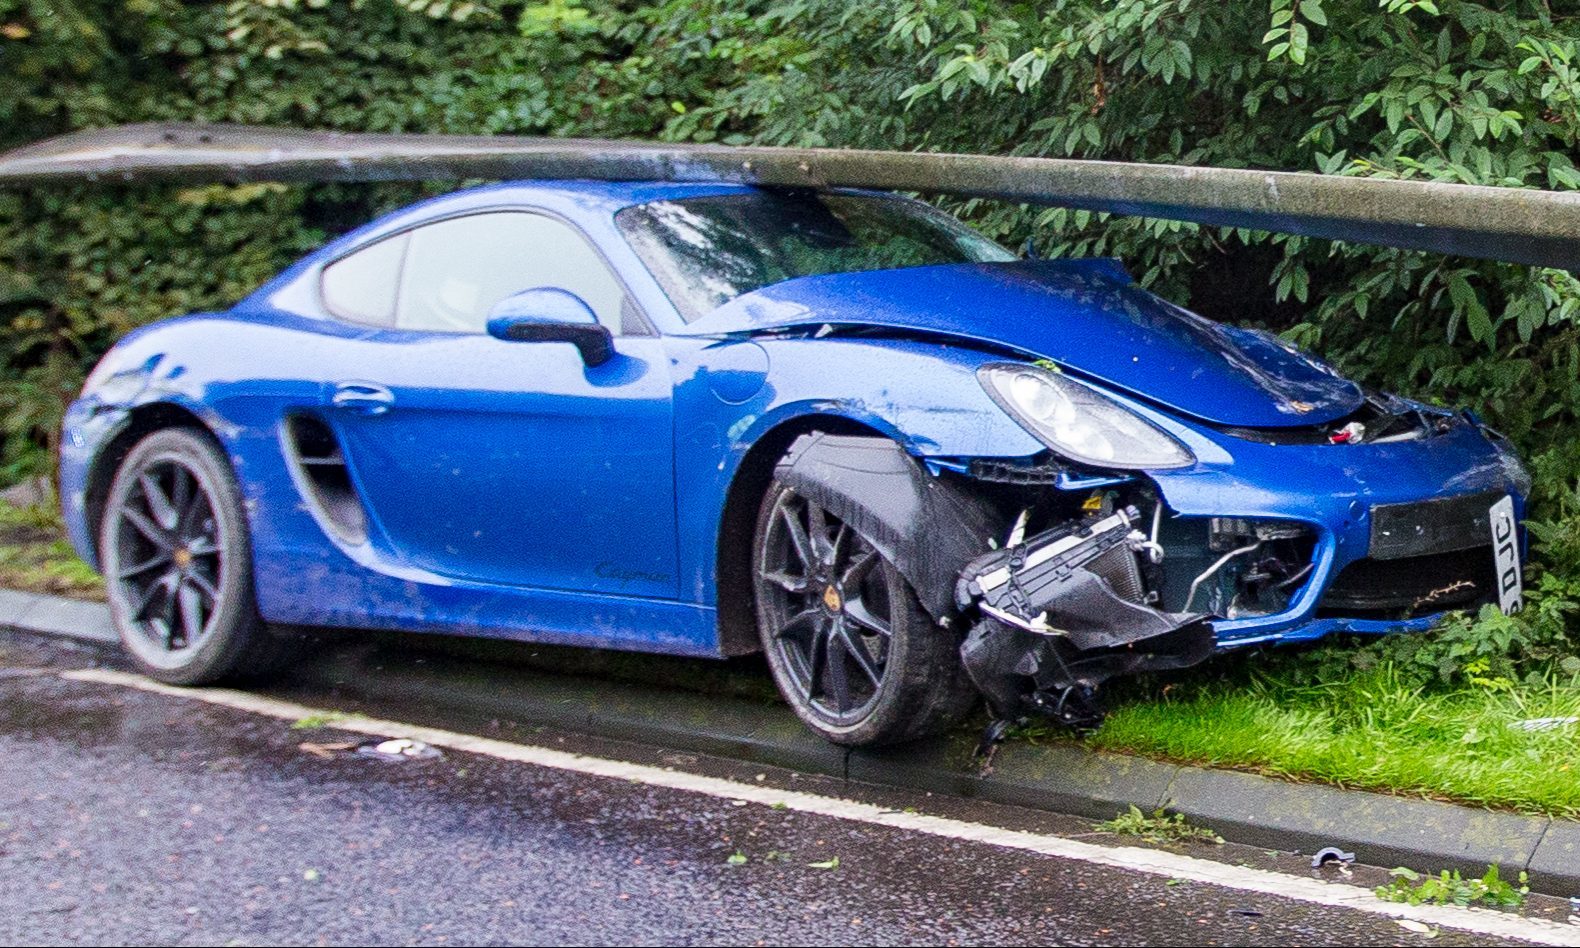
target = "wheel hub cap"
x: 831, y: 599
x: 182, y: 558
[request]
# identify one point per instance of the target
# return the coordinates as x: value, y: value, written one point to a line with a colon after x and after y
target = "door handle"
x: 366, y: 398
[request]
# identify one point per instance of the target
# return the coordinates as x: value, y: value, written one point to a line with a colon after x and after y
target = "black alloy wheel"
x: 177, y: 563
x: 850, y: 646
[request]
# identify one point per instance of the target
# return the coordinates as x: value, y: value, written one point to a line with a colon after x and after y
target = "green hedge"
x: 1448, y: 90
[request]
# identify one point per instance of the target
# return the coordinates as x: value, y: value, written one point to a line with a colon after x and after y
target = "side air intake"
x: 319, y: 467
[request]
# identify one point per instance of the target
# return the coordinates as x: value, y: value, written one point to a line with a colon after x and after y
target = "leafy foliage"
x: 1446, y: 90
x: 1160, y: 827
x: 1448, y: 888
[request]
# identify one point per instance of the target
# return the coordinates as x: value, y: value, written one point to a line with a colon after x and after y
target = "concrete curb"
x: 1381, y: 829
x: 57, y: 615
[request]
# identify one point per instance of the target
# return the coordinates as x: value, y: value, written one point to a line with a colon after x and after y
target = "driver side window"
x: 446, y: 276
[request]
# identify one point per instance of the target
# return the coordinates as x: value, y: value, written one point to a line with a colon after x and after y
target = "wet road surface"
x: 146, y: 818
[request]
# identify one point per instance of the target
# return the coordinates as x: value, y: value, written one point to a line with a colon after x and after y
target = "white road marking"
x: 1151, y: 861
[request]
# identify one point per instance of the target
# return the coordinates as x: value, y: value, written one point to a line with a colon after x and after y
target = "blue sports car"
x: 835, y: 426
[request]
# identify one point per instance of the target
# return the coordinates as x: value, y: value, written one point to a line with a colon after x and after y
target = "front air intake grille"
x: 1411, y: 586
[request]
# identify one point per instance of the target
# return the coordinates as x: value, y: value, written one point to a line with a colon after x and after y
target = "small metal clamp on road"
x: 1331, y: 854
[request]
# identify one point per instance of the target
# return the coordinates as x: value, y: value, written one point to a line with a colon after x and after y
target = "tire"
x: 850, y: 646
x: 177, y: 563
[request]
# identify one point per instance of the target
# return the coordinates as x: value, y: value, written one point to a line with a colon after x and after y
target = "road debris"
x: 398, y: 748
x: 325, y: 751
x: 1544, y: 724
x: 1331, y: 854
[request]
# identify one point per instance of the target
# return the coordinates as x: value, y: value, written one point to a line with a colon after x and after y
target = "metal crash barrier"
x: 1515, y: 225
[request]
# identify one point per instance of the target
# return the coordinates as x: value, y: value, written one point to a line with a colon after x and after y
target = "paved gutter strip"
x: 1381, y: 829
x: 57, y: 615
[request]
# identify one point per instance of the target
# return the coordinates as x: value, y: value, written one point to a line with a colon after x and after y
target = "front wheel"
x: 177, y: 563
x: 849, y: 644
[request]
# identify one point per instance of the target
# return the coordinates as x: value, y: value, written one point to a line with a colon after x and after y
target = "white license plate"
x: 1506, y: 556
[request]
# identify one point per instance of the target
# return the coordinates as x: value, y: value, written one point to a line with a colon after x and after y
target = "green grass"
x: 321, y: 720
x: 1370, y: 731
x: 34, y: 557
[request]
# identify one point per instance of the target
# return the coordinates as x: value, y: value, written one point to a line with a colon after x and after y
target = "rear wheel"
x: 850, y: 646
x: 177, y: 563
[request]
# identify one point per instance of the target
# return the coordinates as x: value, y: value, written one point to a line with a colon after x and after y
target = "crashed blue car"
x: 837, y: 427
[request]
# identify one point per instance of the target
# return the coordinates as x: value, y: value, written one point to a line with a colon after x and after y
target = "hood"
x: 1085, y: 315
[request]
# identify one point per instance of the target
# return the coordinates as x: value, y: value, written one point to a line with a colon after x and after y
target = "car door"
x: 496, y: 461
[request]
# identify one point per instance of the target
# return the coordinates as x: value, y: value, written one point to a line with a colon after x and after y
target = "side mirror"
x: 1028, y: 250
x: 545, y: 314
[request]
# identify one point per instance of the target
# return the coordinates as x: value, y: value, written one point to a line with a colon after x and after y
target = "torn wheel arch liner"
x: 927, y: 527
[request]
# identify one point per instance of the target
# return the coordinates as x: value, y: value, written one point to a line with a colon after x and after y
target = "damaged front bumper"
x: 1064, y: 611
x: 1398, y: 533
x: 1259, y: 542
x: 1061, y: 577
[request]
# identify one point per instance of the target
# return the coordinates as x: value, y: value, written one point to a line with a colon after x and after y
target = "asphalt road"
x: 132, y: 817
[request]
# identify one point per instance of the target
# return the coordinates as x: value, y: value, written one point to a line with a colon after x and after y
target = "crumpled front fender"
x: 926, y: 526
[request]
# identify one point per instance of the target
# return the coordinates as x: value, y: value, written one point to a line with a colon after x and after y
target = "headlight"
x: 1516, y: 473
x: 1513, y: 469
x: 1079, y: 422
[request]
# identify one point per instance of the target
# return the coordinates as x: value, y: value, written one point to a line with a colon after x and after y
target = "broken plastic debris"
x: 1544, y: 724
x: 991, y: 737
x: 1352, y: 433
x: 325, y: 751
x: 1331, y: 854
x: 398, y: 748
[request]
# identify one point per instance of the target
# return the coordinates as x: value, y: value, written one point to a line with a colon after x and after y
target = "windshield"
x: 707, y: 251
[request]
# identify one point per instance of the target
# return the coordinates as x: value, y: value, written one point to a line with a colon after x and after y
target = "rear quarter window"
x: 362, y: 287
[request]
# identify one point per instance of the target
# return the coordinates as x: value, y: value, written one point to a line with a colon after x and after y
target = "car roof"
x: 604, y: 198
x: 607, y: 196
x: 592, y: 204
